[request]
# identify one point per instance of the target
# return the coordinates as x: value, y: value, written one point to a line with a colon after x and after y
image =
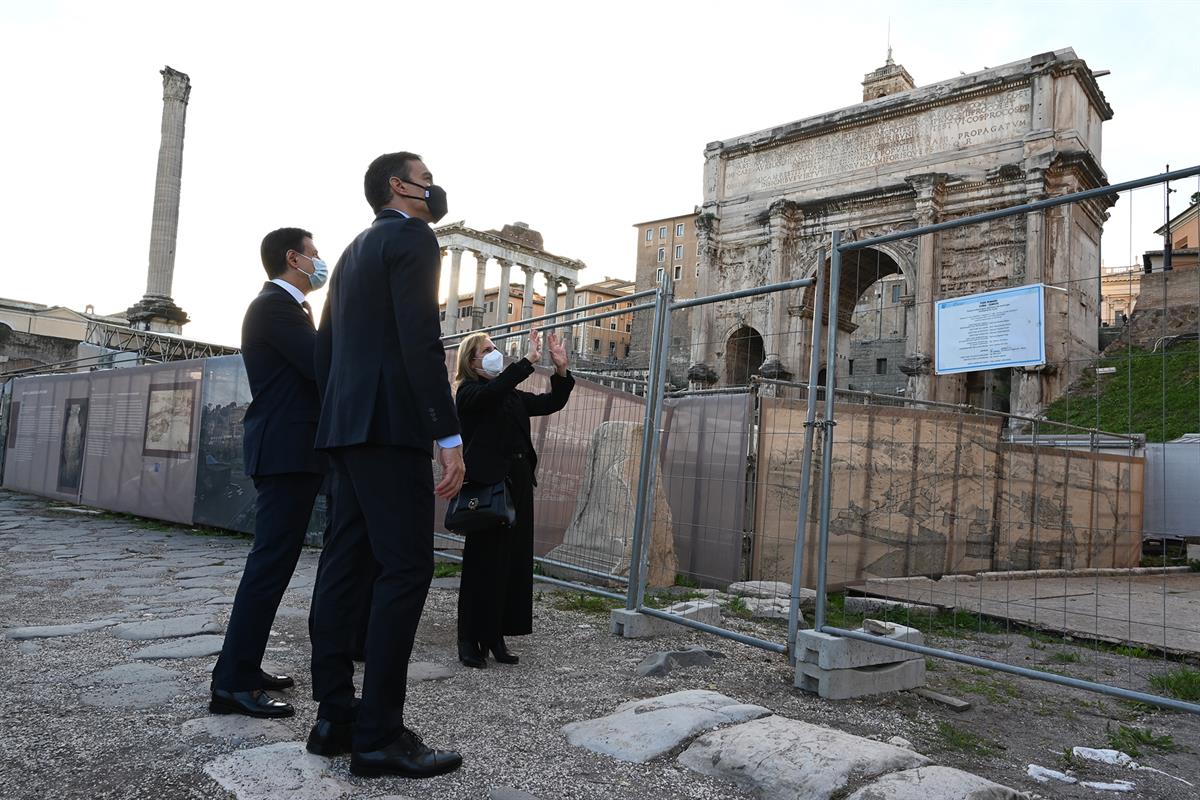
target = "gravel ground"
x: 69, y: 732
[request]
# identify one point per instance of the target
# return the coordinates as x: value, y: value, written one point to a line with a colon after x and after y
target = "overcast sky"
x: 579, y: 119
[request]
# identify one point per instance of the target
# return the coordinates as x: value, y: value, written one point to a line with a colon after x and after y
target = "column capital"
x: 454, y: 248
x: 480, y: 256
x: 528, y: 270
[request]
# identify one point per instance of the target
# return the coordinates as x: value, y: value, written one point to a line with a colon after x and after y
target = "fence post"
x: 835, y: 269
x: 658, y: 386
x: 810, y: 419
x: 658, y: 354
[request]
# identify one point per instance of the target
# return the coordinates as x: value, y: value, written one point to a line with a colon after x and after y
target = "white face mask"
x: 493, y: 363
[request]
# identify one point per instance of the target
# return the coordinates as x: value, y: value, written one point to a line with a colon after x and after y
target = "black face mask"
x: 435, y: 199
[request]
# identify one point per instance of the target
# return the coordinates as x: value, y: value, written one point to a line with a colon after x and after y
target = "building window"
x: 612, y: 324
x: 627, y: 351
x: 896, y: 293
x: 660, y: 274
x: 649, y: 234
x: 662, y: 254
x: 510, y: 309
x: 678, y: 272
x: 678, y: 252
x: 679, y: 229
x: 596, y: 323
x: 628, y: 329
x: 596, y: 345
x: 881, y: 366
x: 662, y: 232
x: 850, y: 366
x: 612, y: 349
x: 491, y: 306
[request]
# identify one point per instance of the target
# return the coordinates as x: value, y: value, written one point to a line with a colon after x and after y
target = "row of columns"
x: 478, y: 308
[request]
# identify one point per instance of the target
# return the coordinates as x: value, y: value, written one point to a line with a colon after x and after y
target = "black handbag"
x: 479, y: 507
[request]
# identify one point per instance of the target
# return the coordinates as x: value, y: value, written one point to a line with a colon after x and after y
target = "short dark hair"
x: 377, y: 182
x: 275, y: 247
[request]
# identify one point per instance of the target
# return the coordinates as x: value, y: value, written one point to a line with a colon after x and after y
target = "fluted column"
x: 450, y: 324
x: 481, y: 260
x: 502, y: 295
x: 527, y: 301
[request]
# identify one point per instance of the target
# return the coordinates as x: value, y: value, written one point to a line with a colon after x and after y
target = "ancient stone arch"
x: 918, y: 155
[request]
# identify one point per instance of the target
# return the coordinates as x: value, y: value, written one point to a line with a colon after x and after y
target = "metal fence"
x: 994, y: 511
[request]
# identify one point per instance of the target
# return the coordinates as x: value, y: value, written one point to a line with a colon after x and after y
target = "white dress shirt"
x: 292, y: 290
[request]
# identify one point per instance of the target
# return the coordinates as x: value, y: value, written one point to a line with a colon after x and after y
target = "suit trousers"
x: 383, y: 519
x: 495, y: 597
x: 282, y: 511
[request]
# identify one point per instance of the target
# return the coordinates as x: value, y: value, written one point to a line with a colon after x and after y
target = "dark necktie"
x: 308, y: 310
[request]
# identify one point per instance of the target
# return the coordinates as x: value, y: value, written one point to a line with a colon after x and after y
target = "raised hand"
x: 558, y: 352
x: 535, y: 346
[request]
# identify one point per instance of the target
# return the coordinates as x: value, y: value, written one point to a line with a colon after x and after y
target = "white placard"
x: 991, y: 330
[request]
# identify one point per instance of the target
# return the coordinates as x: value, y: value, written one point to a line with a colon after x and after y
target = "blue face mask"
x: 320, y: 273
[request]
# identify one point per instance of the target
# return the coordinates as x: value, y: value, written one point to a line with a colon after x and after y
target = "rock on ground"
x: 780, y: 757
x: 641, y: 730
x: 658, y: 664
x: 935, y: 783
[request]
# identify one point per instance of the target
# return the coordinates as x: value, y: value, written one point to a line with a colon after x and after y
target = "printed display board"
x: 990, y: 330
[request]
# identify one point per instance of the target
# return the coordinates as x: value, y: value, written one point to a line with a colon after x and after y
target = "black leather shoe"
x: 255, y: 703
x: 470, y: 654
x: 408, y: 756
x: 330, y: 738
x: 501, y: 654
x: 268, y: 681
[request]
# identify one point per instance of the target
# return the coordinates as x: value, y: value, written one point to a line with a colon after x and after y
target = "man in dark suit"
x: 386, y: 401
x: 280, y: 426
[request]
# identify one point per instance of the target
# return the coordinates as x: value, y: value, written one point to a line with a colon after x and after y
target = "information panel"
x: 991, y: 330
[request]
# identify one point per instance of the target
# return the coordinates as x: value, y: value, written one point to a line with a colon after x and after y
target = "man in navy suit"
x: 386, y: 402
x: 280, y: 425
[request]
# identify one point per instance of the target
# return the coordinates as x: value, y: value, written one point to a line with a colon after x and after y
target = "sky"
x: 578, y: 119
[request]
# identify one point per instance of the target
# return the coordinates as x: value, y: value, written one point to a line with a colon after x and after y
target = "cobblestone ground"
x: 112, y: 625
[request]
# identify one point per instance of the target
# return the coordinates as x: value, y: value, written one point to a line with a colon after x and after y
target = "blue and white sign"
x: 990, y: 330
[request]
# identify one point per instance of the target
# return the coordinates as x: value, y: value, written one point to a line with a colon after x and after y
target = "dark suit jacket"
x: 281, y: 422
x: 381, y: 359
x: 495, y: 419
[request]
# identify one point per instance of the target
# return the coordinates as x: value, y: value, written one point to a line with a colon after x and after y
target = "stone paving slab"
x: 169, y: 628
x: 935, y: 783
x: 641, y: 730
x: 54, y: 631
x: 189, y: 647
x: 276, y: 771
x: 780, y: 757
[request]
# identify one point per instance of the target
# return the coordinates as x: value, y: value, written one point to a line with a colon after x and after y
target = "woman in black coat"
x: 495, y: 598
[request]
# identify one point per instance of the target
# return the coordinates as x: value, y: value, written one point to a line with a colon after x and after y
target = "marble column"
x: 701, y: 373
x: 502, y: 296
x: 450, y: 324
x: 918, y: 366
x: 570, y: 334
x: 527, y: 300
x: 157, y: 311
x: 776, y: 339
x: 477, y: 308
x: 551, y: 307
